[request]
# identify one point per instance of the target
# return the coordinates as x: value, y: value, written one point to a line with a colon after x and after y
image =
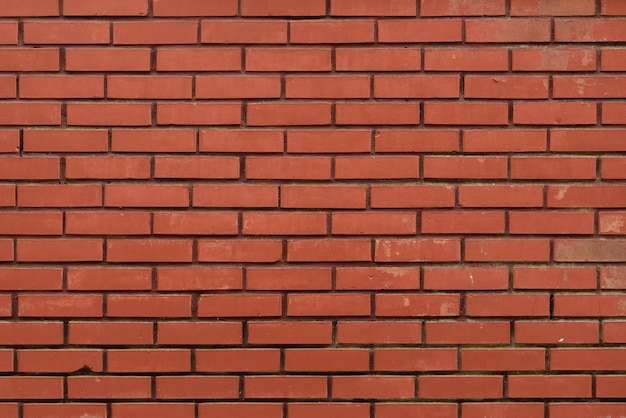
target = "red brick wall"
x: 312, y: 208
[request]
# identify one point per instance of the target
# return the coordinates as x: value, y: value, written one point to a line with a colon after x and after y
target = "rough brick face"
x: 312, y: 208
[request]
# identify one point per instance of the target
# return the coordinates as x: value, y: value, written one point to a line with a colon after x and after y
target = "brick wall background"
x: 304, y: 208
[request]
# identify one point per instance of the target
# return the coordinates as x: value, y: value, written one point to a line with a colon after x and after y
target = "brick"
x: 49, y: 196
x: 109, y: 114
x: 197, y: 387
x: 146, y: 196
x: 155, y: 32
x: 198, y: 59
x: 248, y: 140
x: 34, y: 410
x: 107, y: 59
x: 426, y: 409
x: 378, y: 59
x: 148, y: 361
x: 373, y: 8
x: 107, y: 223
x: 379, y: 332
x: 24, y: 279
x: 195, y: 223
x: 556, y: 113
x: 110, y: 8
x: 612, y: 278
x: 153, y: 140
x: 459, y: 222
x: 409, y: 141
x: 451, y: 59
x: 289, y: 333
x: 198, y: 114
x: 609, y: 386
x: 336, y: 31
x: 554, y: 59
x: 450, y: 167
x: 461, y: 8
x: 196, y: 167
x: 373, y: 387
x: 315, y: 304
x: 613, y: 59
x: 201, y: 278
x: 589, y: 250
x: 466, y: 114
x: 50, y: 87
x: 227, y: 196
x: 506, y: 87
x: 30, y: 8
x: 237, y: 87
x: 107, y: 168
x: 466, y: 278
x: 243, y: 32
x: 30, y: 113
x: 194, y: 8
x: 8, y: 88
x: 28, y: 59
x: 551, y: 223
x: 588, y: 305
x: 110, y: 333
x: 613, y: 332
x: 9, y: 33
x: 600, y: 196
x: 415, y: 359
x: 328, y: 141
x: 288, y: 168
x: 149, y: 250
x: 493, y: 332
x: 613, y: 113
x: 321, y: 87
x: 552, y: 8
x: 554, y: 278
x: 292, y: 59
x: 156, y: 410
x: 10, y: 141
x: 13, y: 168
x: 94, y: 279
x: 502, y: 359
x: 407, y: 87
x: 502, y: 304
x: 31, y: 387
x: 284, y: 223
x: 47, y: 250
x: 589, y: 87
x: 377, y: 114
x: 31, y: 223
x: 503, y: 409
x: 326, y: 197
x: 200, y: 333
x: 414, y: 250
x: 58, y: 361
x: 416, y: 305
x: 7, y: 253
x: 288, y: 278
x: 612, y: 8
x: 149, y: 306
x: 499, y: 140
x: 612, y: 168
x: 225, y: 410
x: 238, y: 360
x: 507, y: 30
x: 148, y: 87
x: 217, y: 306
x: 67, y: 32
x: 430, y: 196
x: 424, y: 30
x: 587, y: 359
x: 589, y: 30
x: 507, y: 250
x: 376, y: 167
x: 320, y: 250
x: 556, y: 332
x: 24, y: 333
x: 464, y: 387
x: 283, y: 8
x: 289, y: 387
x: 51, y: 306
x: 246, y: 251
x: 576, y: 140
x: 329, y: 360
x: 330, y: 410
x: 553, y: 168
x: 379, y: 223
x: 108, y: 387
x: 290, y: 114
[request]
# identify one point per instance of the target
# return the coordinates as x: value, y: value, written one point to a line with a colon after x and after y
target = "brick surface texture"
x: 312, y: 208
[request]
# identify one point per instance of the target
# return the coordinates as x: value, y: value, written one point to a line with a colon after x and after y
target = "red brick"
x: 30, y: 113
x: 59, y: 361
x: 284, y: 223
x: 468, y: 332
x: 408, y: 87
x: 197, y: 387
x: 289, y: 333
x: 460, y: 387
x: 331, y: 32
x: 379, y: 332
x: 466, y: 114
x: 507, y: 250
x: 459, y: 222
x: 148, y: 361
x: 109, y: 279
x: 62, y: 140
x: 613, y: 332
x: 14, y: 168
x: 554, y: 278
x: 575, y: 386
x: 248, y: 140
x: 589, y: 250
x: 9, y: 33
x: 110, y: 8
x: 200, y: 333
x: 466, y: 278
x: 418, y: 31
x: 379, y: 223
x: 109, y: 114
x: 506, y: 87
x: 410, y: 141
x: 31, y: 387
x: 609, y: 386
x: 373, y: 387
x: 613, y: 113
x: 256, y: 305
x: 110, y: 333
x: 257, y: 196
x: 271, y: 114
x: 320, y: 250
x: 613, y: 8
x: 450, y: 167
x: 107, y: 167
x: 556, y: 332
x: 107, y: 223
x: 70, y: 410
x: 283, y: 8
x: 289, y: 387
x: 414, y: 250
x: 552, y: 8
x: 292, y: 59
x: 595, y: 359
x: 328, y: 141
x: 214, y: 223
x: 67, y: 32
x: 288, y: 168
x: 504, y: 304
x: 108, y: 387
x: 412, y: 196
x: 288, y: 278
x: 28, y: 59
x: 316, y: 304
x: 613, y: 168
x: 107, y: 59
x: 7, y: 252
x: 238, y: 87
x: 373, y: 8
x: 244, y: 251
x: 151, y: 306
x: 415, y: 359
x: 31, y: 223
x: 377, y: 113
x: 414, y: 305
x: 30, y: 8
x: 484, y: 59
x: 198, y: 278
x: 315, y: 197
x: 613, y: 60
x: 600, y: 196
x: 146, y: 196
x: 149, y: 87
x: 149, y: 250
x: 198, y: 113
x: 60, y: 249
x: 551, y: 222
x: 10, y: 141
x: 589, y: 87
x: 589, y: 30
x: 238, y: 360
x: 503, y: 359
x: 507, y: 30
x: 243, y: 32
x: 194, y: 8
x: 378, y: 59
x: 155, y: 32
x: 613, y: 277
x: 554, y: 59
x: 589, y: 305
x: 46, y: 305
x: 155, y: 410
x: 227, y: 410
x: 198, y: 59
x: 377, y: 167
x: 24, y: 279
x: 327, y: 360
x: 421, y: 409
x: 196, y: 167
x: 500, y: 140
x: 329, y: 410
x: 8, y: 89
x: 31, y: 333
x: 461, y: 8
x: 322, y: 87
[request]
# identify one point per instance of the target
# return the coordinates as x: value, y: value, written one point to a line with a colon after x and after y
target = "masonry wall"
x: 305, y: 208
